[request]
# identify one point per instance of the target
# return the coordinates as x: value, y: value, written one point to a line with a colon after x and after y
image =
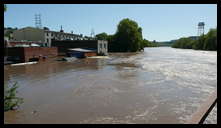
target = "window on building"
x: 104, y: 45
x: 47, y: 40
x: 47, y: 34
x: 100, y: 45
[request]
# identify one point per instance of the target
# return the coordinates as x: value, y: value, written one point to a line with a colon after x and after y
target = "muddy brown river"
x: 159, y: 85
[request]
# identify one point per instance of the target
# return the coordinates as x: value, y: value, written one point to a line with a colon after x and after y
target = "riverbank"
x: 203, y: 42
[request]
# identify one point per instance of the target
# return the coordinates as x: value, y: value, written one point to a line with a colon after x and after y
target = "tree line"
x: 128, y: 38
x: 203, y: 42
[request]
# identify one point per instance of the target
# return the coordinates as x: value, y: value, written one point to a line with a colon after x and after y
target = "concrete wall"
x: 29, y: 34
x: 102, y: 47
x: 48, y: 38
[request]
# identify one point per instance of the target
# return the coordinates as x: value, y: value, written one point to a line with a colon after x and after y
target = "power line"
x: 92, y: 33
x: 38, y: 21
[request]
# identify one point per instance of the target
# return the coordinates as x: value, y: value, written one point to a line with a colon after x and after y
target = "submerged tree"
x: 102, y: 36
x: 128, y: 37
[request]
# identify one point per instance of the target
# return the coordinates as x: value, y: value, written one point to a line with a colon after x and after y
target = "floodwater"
x: 159, y: 85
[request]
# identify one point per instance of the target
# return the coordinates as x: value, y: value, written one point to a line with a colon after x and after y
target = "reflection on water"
x: 159, y: 85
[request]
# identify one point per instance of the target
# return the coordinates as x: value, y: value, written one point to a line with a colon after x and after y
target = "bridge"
x: 201, y: 114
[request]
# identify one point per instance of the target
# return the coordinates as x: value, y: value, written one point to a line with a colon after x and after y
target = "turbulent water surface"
x: 159, y: 85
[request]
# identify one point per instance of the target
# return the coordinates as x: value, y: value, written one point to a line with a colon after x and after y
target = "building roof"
x: 28, y: 28
x: 25, y: 28
x: 35, y: 45
x: 81, y: 50
x: 22, y: 45
x: 62, y: 32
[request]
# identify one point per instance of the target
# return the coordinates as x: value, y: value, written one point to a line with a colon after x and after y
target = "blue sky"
x: 161, y: 22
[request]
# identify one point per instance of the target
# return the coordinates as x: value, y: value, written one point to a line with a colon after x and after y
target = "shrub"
x: 10, y: 99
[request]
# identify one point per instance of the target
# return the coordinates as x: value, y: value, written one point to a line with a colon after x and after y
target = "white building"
x: 102, y: 47
x: 42, y: 35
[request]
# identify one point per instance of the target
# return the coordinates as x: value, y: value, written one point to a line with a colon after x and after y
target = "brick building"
x: 26, y: 54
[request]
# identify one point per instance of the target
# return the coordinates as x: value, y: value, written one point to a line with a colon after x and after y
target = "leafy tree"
x: 146, y: 43
x: 203, y: 42
x: 10, y: 99
x: 211, y: 40
x: 183, y: 43
x: 46, y: 28
x: 102, y: 36
x: 111, y: 43
x: 198, y: 45
x: 128, y: 37
x: 9, y: 31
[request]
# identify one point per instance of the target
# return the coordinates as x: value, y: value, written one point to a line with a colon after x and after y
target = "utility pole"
x: 38, y: 21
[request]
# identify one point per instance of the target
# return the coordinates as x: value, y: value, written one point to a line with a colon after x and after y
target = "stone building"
x: 44, y: 36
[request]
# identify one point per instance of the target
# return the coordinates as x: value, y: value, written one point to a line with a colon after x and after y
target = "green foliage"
x: 165, y: 43
x: 5, y: 8
x: 128, y: 37
x: 211, y: 40
x: 112, y: 46
x: 146, y: 43
x: 102, y: 36
x: 199, y: 43
x: 10, y: 99
x: 185, y: 43
x: 204, y: 42
x: 9, y: 31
